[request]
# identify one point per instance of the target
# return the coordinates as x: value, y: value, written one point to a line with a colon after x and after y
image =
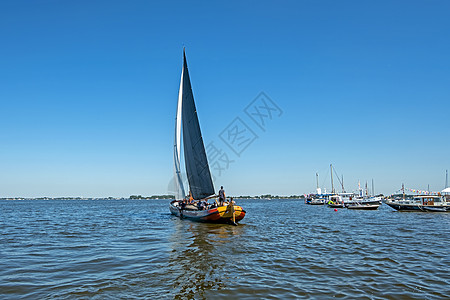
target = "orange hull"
x: 221, y: 214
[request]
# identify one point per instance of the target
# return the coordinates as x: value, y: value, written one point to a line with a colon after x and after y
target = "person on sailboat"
x: 183, y: 204
x: 207, y: 205
x: 200, y: 205
x: 221, y: 196
x: 191, y: 199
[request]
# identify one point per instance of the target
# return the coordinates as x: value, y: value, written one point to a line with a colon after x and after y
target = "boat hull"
x: 363, y: 202
x: 419, y: 207
x: 404, y: 207
x: 336, y: 205
x: 364, y: 207
x: 436, y: 208
x: 221, y: 214
x: 317, y: 202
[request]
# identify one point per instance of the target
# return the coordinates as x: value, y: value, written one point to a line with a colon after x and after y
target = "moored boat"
x: 434, y: 204
x: 360, y: 200
x: 363, y: 206
x: 336, y: 201
x: 429, y: 203
x: 318, y: 198
x: 404, y: 205
x: 318, y: 201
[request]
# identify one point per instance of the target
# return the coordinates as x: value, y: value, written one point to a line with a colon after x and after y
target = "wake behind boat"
x: 201, y: 187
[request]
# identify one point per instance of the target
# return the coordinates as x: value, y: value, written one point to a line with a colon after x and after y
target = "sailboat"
x: 201, y: 188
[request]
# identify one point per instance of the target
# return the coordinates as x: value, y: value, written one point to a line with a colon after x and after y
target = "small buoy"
x: 335, y: 209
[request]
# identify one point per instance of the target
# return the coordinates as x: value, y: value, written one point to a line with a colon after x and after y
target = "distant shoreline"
x: 139, y: 197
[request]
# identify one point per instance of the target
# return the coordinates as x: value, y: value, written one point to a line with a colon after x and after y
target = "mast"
x: 403, y: 190
x: 317, y: 180
x: 332, y: 185
x: 446, y: 178
x: 342, y: 183
x: 373, y: 189
x: 318, y: 189
x: 359, y: 188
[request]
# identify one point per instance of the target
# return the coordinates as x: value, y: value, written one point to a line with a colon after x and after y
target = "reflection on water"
x: 197, y: 260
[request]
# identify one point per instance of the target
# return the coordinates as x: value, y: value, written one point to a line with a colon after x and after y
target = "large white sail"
x: 179, y: 188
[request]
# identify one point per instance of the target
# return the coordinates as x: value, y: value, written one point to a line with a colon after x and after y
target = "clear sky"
x: 88, y: 93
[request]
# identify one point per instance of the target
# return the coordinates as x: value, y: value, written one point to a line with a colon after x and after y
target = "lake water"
x: 283, y: 249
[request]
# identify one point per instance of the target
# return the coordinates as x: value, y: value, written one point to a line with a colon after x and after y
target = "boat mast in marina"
x: 317, y: 180
x: 337, y: 176
x: 332, y: 185
x: 373, y: 189
x: 446, y: 178
x: 318, y: 189
x: 360, y: 189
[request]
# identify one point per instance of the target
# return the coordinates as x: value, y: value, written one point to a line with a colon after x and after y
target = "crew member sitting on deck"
x: 201, y: 205
x: 221, y: 196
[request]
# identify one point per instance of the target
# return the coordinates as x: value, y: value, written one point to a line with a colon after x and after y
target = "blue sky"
x: 88, y: 92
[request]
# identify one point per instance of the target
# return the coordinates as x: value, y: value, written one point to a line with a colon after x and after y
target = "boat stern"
x: 226, y: 213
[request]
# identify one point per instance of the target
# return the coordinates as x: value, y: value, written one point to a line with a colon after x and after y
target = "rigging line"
x: 334, y: 169
x: 325, y: 178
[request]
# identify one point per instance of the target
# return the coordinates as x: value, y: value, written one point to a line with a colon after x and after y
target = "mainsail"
x: 179, y: 188
x: 197, y: 168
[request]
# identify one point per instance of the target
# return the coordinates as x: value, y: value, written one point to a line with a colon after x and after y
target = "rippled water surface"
x: 282, y: 249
